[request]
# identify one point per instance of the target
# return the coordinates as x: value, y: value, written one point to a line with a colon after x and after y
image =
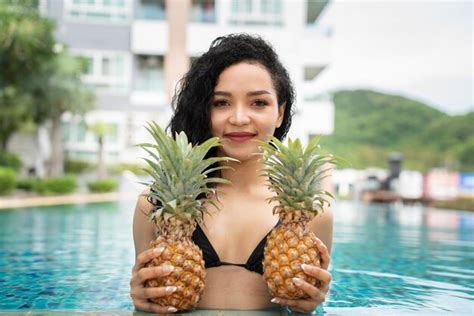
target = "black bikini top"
x: 211, y: 258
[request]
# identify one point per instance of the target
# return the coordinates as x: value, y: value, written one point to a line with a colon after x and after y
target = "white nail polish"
x: 297, y: 281
x: 159, y: 250
x: 172, y: 309
x: 274, y: 300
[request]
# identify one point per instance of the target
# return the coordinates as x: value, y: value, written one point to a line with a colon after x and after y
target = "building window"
x: 149, y: 75
x: 256, y: 12
x: 314, y: 97
x: 112, y: 135
x: 66, y: 131
x: 151, y: 10
x: 314, y: 9
x: 74, y: 131
x: 204, y: 11
x: 192, y: 59
x: 105, y: 70
x: 311, y: 72
x: 86, y: 64
x: 98, y: 10
x: 82, y: 155
x: 81, y: 132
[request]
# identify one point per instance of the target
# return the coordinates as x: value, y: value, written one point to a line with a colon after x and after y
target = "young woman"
x: 239, y: 91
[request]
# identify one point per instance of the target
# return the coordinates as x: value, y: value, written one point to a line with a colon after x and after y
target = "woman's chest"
x: 239, y: 226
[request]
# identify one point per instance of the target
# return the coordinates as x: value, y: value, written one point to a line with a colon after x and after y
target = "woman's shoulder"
x: 322, y: 226
x: 323, y: 219
x: 144, y: 231
x: 144, y: 202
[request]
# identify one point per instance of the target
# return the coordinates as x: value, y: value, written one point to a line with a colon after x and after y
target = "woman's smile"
x: 239, y: 137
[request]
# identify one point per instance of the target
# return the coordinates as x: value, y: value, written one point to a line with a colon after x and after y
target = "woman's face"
x: 244, y: 107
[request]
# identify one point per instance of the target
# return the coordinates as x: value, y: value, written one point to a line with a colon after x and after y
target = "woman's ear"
x: 281, y: 114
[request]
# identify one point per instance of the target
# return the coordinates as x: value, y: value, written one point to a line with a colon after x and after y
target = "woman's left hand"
x: 317, y: 295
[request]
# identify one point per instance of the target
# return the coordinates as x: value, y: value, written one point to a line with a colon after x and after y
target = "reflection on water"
x: 412, y: 258
x: 385, y: 259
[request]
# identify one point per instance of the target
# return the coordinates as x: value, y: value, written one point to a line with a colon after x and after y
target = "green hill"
x: 369, y: 125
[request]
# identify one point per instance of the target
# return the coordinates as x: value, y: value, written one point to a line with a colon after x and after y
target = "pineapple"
x: 293, y: 174
x: 181, y: 187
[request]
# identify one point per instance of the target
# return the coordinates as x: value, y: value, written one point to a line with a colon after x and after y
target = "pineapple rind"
x: 294, y: 174
x: 188, y: 274
x: 288, y: 247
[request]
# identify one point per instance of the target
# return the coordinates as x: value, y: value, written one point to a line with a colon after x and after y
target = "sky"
x: 418, y: 49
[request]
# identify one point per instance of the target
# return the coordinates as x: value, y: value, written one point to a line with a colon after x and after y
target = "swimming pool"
x: 393, y: 259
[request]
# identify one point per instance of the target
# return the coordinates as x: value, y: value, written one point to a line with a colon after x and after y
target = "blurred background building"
x: 137, y: 50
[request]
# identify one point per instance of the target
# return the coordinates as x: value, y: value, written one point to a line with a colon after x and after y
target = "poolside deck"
x: 29, y: 201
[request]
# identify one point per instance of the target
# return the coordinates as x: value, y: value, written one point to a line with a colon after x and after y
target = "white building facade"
x: 136, y: 51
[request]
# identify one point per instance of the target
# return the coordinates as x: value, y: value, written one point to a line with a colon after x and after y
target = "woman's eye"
x: 260, y: 103
x: 220, y: 103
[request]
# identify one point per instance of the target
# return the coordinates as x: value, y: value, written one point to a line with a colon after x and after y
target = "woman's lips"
x: 239, y: 137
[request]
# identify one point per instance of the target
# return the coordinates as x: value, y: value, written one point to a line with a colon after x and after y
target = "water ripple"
x: 384, y: 260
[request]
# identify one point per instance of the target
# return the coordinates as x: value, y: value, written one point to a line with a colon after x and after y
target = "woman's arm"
x: 143, y: 233
x: 143, y: 230
x: 322, y: 227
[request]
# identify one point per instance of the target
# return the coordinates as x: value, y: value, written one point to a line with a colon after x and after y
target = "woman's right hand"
x: 140, y: 274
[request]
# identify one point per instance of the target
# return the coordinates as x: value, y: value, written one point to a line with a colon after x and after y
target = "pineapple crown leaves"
x: 180, y: 174
x: 294, y: 173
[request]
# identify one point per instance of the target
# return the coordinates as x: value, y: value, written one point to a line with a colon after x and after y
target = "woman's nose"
x: 239, y: 116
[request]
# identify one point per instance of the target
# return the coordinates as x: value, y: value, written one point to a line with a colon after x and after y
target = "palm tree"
x: 101, y: 129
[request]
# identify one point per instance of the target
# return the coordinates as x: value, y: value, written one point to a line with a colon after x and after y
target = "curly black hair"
x: 192, y: 100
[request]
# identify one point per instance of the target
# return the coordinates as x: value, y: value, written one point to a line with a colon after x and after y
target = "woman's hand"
x: 317, y: 294
x: 141, y: 294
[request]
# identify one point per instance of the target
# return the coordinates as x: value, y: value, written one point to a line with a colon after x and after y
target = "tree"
x: 26, y: 44
x: 370, y: 124
x: 39, y: 81
x: 101, y: 130
x: 60, y: 90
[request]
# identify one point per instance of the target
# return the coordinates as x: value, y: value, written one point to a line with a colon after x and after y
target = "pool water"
x: 386, y: 259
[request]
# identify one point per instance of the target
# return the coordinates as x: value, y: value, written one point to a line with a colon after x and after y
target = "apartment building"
x: 137, y: 50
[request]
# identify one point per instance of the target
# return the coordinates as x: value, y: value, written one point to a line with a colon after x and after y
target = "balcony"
x: 149, y: 82
x: 203, y: 11
x: 317, y: 40
x: 313, y: 118
x: 150, y: 37
x: 151, y: 10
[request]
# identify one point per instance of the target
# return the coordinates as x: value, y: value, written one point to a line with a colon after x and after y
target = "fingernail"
x: 158, y: 250
x: 274, y: 300
x: 171, y: 288
x: 172, y: 309
x: 304, y: 267
x: 297, y: 281
x: 168, y: 268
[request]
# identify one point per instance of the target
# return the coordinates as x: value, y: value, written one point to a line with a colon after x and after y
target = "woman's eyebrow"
x: 259, y: 92
x: 250, y: 94
x: 225, y: 94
